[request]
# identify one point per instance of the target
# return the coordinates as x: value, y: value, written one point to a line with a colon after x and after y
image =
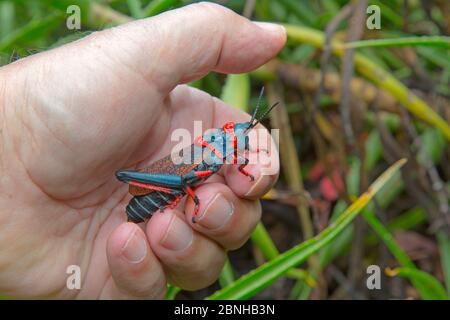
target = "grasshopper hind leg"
x: 190, y: 192
x: 242, y: 170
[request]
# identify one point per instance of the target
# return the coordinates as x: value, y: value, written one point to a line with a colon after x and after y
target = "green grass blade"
x: 430, y: 287
x: 158, y: 6
x: 255, y: 281
x: 32, y: 30
x: 227, y: 275
x: 373, y: 150
x: 236, y: 91
x: 444, y: 248
x: 389, y: 14
x: 340, y: 243
x: 432, y: 147
x: 433, y: 41
x: 388, y: 240
x: 427, y: 285
x: 135, y: 7
x: 172, y: 292
x: 7, y: 12
x: 409, y: 219
x: 261, y: 238
x: 438, y: 58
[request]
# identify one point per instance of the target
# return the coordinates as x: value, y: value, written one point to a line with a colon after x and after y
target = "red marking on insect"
x: 203, y: 174
x: 228, y: 127
x: 163, y: 165
x: 191, y: 193
x: 175, y: 202
x: 200, y: 141
x: 149, y: 187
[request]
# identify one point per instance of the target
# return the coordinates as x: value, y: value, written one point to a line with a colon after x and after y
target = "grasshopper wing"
x: 166, y: 165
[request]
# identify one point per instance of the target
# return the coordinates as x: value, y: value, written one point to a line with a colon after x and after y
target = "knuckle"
x: 213, y: 10
x: 211, y: 6
x: 155, y: 290
x: 198, y: 273
x: 237, y: 236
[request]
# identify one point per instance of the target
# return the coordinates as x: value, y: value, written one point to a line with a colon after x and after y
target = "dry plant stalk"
x: 290, y: 163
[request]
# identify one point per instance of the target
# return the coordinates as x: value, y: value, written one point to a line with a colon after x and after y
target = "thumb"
x: 172, y: 48
x: 188, y: 43
x: 158, y: 53
x: 136, y: 272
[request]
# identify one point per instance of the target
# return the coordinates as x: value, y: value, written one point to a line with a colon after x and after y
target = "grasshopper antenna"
x: 263, y: 116
x: 257, y: 106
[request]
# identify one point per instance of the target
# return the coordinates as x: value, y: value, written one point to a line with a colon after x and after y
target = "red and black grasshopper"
x: 163, y: 184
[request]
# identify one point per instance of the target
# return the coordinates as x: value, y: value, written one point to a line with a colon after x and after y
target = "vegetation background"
x: 354, y: 101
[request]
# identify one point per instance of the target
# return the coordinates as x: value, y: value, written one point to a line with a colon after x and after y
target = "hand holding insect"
x: 164, y: 183
x: 72, y: 116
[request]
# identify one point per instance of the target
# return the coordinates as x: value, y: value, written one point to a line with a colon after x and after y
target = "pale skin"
x: 72, y: 116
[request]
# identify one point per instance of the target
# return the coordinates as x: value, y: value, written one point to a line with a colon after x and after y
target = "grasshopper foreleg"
x: 245, y: 172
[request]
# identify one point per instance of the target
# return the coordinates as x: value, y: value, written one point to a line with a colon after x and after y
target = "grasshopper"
x: 163, y: 184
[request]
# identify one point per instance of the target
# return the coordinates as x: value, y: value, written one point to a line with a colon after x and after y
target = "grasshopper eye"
x: 213, y: 138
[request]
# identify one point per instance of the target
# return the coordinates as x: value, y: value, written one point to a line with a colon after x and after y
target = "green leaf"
x: 409, y: 219
x: 300, y: 291
x: 32, y: 30
x: 444, y: 249
x: 7, y: 11
x: 427, y: 285
x: 236, y: 91
x: 430, y: 287
x: 135, y: 7
x: 352, y: 180
x: 373, y: 149
x: 435, y: 56
x: 158, y: 6
x: 300, y: 9
x: 258, y: 279
x: 301, y: 53
x: 434, y: 41
x: 262, y: 239
x: 389, y: 13
x: 172, y: 292
x: 227, y: 275
x: 388, y: 239
x: 432, y: 147
x: 70, y: 38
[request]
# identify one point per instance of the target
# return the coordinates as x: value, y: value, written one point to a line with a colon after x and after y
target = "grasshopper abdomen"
x: 140, y: 208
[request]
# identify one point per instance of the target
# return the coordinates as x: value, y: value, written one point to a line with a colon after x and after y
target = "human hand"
x: 72, y: 116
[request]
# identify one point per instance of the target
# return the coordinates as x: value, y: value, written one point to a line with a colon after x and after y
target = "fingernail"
x: 135, y: 249
x: 178, y: 235
x: 254, y: 170
x: 271, y: 27
x: 254, y: 189
x: 217, y: 214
